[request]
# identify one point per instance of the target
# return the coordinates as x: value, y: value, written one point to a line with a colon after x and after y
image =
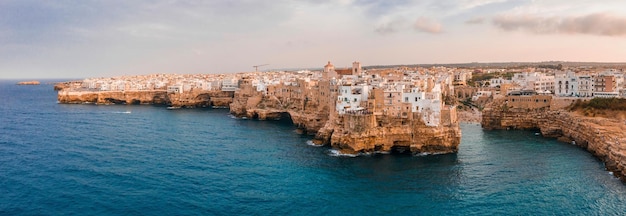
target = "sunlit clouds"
x: 603, y: 24
x: 47, y: 39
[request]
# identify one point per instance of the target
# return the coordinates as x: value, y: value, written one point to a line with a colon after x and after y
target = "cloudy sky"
x: 78, y: 39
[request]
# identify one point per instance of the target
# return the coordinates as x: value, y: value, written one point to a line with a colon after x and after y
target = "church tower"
x: 356, y: 68
x: 329, y: 71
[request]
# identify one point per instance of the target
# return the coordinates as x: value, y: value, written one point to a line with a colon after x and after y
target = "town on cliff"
x: 400, y: 109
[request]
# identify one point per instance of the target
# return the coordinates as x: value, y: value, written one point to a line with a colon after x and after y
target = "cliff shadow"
x: 285, y: 118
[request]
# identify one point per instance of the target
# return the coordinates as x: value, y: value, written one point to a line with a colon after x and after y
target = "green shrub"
x: 600, y: 104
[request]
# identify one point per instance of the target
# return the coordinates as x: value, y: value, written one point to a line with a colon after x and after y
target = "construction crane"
x: 256, y: 67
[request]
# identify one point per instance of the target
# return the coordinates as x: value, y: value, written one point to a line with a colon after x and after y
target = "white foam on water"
x: 126, y: 112
x: 235, y: 117
x: 311, y: 143
x: 422, y: 154
x: 337, y: 153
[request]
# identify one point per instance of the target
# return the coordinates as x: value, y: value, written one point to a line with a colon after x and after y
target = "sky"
x: 81, y: 39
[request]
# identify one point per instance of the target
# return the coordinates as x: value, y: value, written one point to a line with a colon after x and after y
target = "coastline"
x: 602, y: 137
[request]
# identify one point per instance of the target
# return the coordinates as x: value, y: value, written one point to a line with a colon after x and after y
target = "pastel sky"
x: 78, y: 39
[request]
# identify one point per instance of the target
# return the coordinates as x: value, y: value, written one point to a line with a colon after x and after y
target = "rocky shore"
x: 602, y: 137
x: 190, y: 99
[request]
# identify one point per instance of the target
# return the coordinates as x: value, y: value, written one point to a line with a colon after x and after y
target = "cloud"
x: 475, y: 20
x: 427, y: 25
x: 470, y: 4
x: 603, y: 24
x: 390, y: 27
x: 382, y: 7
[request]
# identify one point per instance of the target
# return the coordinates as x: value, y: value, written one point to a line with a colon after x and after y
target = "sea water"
x: 60, y: 159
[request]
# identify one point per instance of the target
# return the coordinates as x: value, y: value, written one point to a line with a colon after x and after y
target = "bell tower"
x: 328, y: 68
x: 356, y: 68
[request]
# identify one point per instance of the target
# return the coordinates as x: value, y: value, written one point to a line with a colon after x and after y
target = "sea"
x: 85, y: 159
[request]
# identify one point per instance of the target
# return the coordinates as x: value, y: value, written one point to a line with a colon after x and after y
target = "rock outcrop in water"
x: 366, y: 133
x: 604, y: 138
x: 34, y: 82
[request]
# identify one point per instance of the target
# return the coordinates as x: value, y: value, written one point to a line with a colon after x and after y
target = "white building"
x: 175, y: 89
x: 538, y: 82
x: 495, y: 82
x: 585, y: 86
x: 480, y: 94
x: 566, y: 84
x: 428, y: 104
x: 350, y: 98
x: 230, y: 84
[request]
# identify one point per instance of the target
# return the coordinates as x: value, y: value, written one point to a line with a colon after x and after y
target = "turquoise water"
x: 58, y: 159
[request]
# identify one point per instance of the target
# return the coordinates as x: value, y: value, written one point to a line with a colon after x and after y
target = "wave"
x: 232, y: 116
x: 125, y: 112
x: 311, y: 143
x: 235, y: 117
x: 337, y: 153
x: 422, y: 154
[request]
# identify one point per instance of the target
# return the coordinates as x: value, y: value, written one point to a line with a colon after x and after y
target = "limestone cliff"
x: 198, y: 98
x: 307, y: 115
x: 159, y: 97
x: 112, y: 97
x: 604, y: 138
x: 356, y: 133
x: 352, y: 133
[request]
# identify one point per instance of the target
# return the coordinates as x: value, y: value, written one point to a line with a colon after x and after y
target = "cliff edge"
x: 603, y: 137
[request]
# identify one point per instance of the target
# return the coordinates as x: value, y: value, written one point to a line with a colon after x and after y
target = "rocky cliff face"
x: 200, y: 99
x: 604, y: 138
x: 159, y: 97
x: 368, y: 133
x: 306, y: 115
x: 354, y: 133
x: 112, y: 97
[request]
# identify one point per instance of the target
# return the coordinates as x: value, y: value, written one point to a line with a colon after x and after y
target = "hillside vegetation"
x: 601, y: 107
x: 600, y: 103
